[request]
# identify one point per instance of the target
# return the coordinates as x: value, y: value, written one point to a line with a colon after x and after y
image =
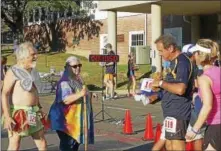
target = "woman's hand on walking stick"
x: 83, y: 91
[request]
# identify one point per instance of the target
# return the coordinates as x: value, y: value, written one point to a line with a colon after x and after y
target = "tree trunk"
x: 54, y: 38
x: 46, y: 26
x: 19, y: 27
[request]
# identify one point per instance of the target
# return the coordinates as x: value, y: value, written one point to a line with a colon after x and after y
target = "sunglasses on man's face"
x: 75, y: 66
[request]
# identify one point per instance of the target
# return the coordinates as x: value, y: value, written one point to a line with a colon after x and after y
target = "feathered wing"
x: 37, y: 80
x: 24, y: 77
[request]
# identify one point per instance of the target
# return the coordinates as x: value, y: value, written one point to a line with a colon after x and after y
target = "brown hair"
x: 208, y: 58
x: 167, y: 41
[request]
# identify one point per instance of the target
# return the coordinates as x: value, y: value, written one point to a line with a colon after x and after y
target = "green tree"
x: 4, y: 27
x: 12, y: 13
x: 51, y: 14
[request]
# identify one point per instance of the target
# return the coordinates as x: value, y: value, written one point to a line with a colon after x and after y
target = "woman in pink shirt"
x: 206, y: 52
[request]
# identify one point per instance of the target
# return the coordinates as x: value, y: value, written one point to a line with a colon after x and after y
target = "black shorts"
x: 213, y: 137
x: 178, y: 129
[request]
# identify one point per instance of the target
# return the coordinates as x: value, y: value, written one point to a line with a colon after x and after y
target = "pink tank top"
x: 215, y: 115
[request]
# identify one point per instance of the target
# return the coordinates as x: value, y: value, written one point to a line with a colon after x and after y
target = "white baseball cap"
x: 187, y: 49
x: 200, y: 48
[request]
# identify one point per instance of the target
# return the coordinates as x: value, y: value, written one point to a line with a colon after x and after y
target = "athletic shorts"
x: 175, y: 129
x: 213, y: 137
x: 108, y: 76
x: 27, y: 119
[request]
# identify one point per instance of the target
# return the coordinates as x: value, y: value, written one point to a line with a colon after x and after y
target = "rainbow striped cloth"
x: 70, y: 118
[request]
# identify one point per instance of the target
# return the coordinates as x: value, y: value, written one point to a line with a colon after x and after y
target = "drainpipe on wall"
x: 145, y: 30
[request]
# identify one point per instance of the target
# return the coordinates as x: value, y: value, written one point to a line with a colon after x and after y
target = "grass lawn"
x: 91, y: 71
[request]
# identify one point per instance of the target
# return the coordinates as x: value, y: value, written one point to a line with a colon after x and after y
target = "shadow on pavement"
x: 106, y: 145
x: 50, y: 147
x: 144, y: 147
x: 101, y: 145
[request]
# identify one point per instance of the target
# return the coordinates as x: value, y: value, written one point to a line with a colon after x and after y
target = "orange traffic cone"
x: 189, y: 146
x: 127, y: 129
x: 148, y: 134
x: 158, y: 133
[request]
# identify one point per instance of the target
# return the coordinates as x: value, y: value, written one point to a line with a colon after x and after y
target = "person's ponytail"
x: 208, y: 58
x: 215, y: 52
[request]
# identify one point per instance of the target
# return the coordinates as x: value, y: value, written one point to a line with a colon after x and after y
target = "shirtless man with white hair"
x: 20, y: 101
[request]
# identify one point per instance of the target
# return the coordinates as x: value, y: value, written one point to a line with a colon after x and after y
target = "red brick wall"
x: 92, y: 45
x: 124, y: 26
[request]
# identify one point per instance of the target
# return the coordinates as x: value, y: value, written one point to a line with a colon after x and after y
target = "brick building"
x: 127, y: 27
x: 131, y: 32
x: 205, y: 22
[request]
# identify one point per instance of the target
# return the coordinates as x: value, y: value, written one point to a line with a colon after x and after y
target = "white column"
x: 112, y: 29
x: 156, y: 26
x: 195, y: 28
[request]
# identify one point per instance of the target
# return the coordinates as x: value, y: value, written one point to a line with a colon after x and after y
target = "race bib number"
x: 32, y: 118
x: 146, y: 84
x: 170, y: 124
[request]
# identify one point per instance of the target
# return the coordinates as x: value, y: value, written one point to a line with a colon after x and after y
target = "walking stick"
x: 85, y: 125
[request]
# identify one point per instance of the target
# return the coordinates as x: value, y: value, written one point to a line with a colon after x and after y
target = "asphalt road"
x: 108, y: 131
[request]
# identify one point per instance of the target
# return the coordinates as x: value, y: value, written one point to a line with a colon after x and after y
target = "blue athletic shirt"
x: 173, y: 105
x: 111, y: 68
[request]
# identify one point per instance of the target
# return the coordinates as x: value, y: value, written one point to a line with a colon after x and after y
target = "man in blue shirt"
x: 177, y: 88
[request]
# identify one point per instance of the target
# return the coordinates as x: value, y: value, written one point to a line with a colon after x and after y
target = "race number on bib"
x: 146, y: 84
x: 32, y: 118
x: 170, y: 124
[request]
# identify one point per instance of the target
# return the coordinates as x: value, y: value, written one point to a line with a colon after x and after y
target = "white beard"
x: 34, y: 63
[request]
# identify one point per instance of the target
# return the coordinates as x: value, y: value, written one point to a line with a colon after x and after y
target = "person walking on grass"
x: 131, y: 75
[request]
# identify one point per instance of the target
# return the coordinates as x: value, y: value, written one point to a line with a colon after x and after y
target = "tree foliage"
x: 12, y: 13
x: 49, y: 22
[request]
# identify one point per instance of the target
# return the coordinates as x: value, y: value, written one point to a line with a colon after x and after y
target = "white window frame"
x: 102, y: 44
x: 135, y: 33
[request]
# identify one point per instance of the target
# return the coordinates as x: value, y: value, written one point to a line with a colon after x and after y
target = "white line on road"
x: 117, y: 108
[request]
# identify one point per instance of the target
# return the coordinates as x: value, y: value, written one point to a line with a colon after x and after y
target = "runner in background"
x: 196, y: 101
x: 131, y: 75
x: 109, y: 74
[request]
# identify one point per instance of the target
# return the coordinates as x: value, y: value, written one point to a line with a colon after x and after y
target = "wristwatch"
x: 160, y: 83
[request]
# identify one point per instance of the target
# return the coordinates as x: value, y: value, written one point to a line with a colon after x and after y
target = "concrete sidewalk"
x: 108, y: 132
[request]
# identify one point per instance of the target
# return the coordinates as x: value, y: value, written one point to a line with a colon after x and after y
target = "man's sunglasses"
x: 75, y: 66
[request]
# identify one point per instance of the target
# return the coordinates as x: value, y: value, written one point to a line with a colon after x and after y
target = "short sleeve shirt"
x: 65, y: 90
x: 58, y: 108
x: 178, y: 106
x: 110, y: 69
